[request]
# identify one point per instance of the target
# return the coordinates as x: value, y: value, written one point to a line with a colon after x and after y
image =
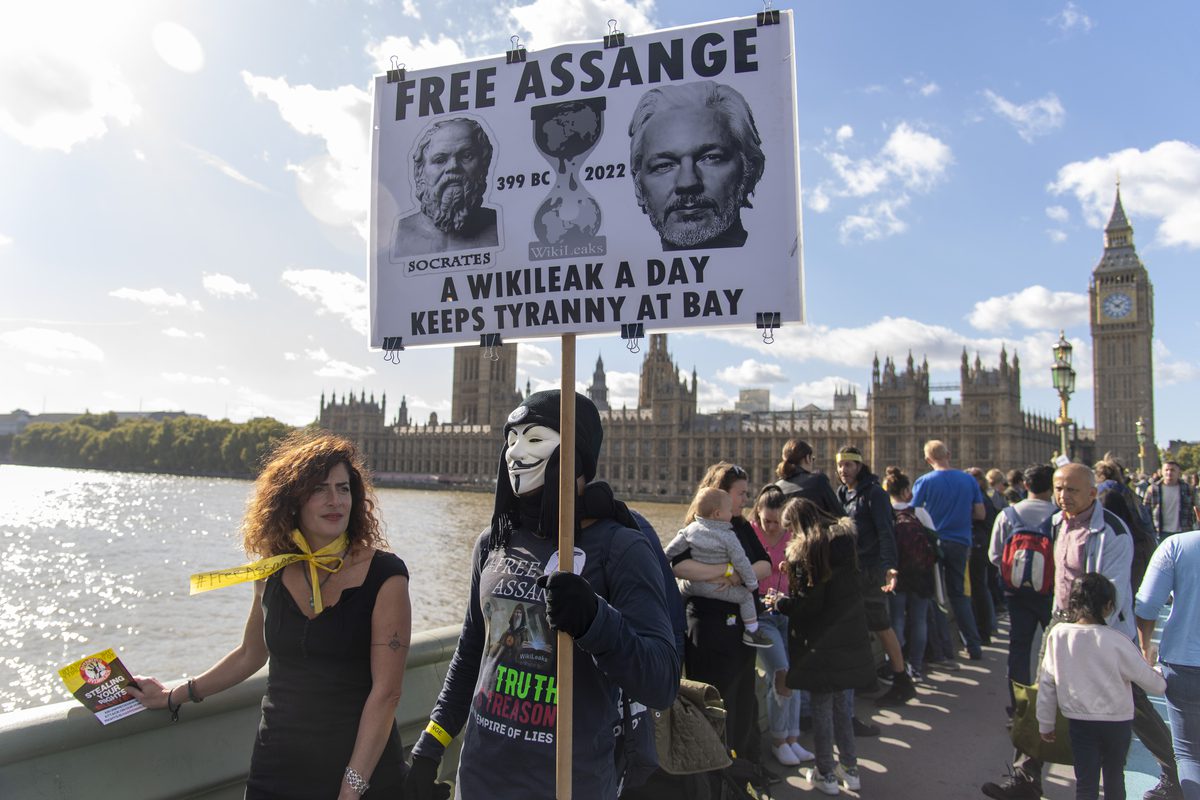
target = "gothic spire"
x: 1118, y: 232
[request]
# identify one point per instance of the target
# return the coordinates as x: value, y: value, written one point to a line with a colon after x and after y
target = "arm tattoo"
x: 395, y: 644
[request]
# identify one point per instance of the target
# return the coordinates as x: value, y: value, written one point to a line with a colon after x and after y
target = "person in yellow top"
x: 331, y: 614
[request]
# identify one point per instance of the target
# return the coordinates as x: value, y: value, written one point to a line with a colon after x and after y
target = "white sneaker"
x: 825, y: 784
x: 801, y: 753
x: 784, y: 755
x: 848, y: 776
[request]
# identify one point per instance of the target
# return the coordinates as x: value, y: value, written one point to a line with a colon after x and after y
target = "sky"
x: 184, y: 193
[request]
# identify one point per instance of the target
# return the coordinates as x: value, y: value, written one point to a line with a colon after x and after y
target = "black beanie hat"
x: 542, y: 408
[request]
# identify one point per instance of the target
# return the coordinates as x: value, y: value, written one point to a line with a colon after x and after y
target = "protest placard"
x: 586, y: 187
x: 98, y: 682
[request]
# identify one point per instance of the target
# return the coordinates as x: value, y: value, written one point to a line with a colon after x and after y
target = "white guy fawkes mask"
x: 529, y: 448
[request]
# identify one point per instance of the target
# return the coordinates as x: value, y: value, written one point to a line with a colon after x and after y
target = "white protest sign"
x: 586, y: 187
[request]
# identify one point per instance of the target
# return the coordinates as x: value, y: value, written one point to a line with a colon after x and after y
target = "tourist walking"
x: 331, y: 616
x: 1028, y: 606
x: 829, y: 649
x: 1172, y: 573
x: 1174, y: 504
x: 917, y: 560
x: 1087, y: 671
x: 1087, y: 538
x: 797, y: 478
x: 785, y: 706
x: 867, y: 505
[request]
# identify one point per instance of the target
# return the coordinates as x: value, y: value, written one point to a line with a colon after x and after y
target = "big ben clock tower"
x: 1121, y: 300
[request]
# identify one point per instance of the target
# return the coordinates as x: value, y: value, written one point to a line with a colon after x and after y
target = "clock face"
x: 1117, y: 305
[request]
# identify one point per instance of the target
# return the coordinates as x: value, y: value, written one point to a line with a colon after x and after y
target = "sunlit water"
x: 92, y: 560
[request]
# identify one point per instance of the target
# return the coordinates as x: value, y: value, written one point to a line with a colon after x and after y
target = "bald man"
x: 1089, y: 538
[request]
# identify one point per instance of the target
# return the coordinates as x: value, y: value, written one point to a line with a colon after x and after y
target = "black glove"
x: 783, y: 603
x: 420, y: 783
x: 570, y: 602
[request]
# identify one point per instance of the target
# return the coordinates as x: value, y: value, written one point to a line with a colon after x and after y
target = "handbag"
x: 1026, y: 736
x: 689, y: 736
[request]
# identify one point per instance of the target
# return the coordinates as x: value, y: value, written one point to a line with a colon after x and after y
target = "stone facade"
x: 660, y: 449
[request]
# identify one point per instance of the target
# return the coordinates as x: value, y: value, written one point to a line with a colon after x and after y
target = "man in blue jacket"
x: 612, y: 605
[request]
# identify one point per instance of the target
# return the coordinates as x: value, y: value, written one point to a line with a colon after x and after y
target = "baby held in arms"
x: 710, y: 538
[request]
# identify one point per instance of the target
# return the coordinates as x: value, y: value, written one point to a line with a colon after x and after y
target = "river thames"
x: 93, y: 560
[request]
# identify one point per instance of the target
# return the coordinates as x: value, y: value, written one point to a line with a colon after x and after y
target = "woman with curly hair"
x: 331, y: 613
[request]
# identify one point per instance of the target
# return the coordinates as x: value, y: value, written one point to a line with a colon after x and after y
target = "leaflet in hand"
x: 98, y: 681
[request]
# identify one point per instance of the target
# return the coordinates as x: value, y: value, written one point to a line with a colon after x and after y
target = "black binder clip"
x: 632, y: 333
x: 516, y: 54
x: 490, y: 342
x: 767, y: 322
x: 396, y: 73
x: 614, y: 38
x: 392, y: 346
x: 768, y: 16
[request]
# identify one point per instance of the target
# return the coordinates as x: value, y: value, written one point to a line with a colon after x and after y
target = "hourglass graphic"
x: 567, y: 221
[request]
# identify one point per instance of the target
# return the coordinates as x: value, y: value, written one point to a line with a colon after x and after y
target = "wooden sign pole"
x: 566, y: 562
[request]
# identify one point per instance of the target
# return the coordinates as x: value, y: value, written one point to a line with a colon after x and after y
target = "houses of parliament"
x: 660, y: 449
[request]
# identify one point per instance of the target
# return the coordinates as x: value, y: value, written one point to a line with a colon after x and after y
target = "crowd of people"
x: 796, y: 579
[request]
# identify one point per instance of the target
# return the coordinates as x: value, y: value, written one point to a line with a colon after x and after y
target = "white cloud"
x: 819, y: 393
x: 221, y: 285
x: 48, y: 369
x: 818, y: 200
x: 752, y: 373
x: 290, y: 357
x: 929, y: 89
x: 874, y: 221
x: 844, y: 134
x: 1034, y: 308
x: 157, y: 299
x: 711, y: 397
x: 317, y: 355
x: 179, y: 333
x: 193, y: 380
x: 49, y: 343
x: 1168, y: 370
x: 1162, y: 184
x: 409, y: 9
x: 334, y: 186
x: 551, y: 22
x: 420, y: 54
x: 60, y: 85
x: 622, y: 389
x: 5, y: 240
x: 1058, y: 214
x: 909, y: 161
x: 855, y: 347
x: 1056, y: 236
x: 178, y: 47
x: 225, y: 168
x: 338, y: 293
x: 530, y: 355
x: 1035, y: 118
x: 1071, y: 18
x: 342, y: 370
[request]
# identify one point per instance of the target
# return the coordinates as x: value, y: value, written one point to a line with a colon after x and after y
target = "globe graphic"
x: 567, y: 130
x: 567, y: 219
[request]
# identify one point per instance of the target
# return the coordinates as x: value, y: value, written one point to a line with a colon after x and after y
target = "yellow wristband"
x: 439, y: 733
x: 728, y: 570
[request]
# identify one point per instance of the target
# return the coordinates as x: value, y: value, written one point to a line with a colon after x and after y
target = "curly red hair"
x: 293, y: 470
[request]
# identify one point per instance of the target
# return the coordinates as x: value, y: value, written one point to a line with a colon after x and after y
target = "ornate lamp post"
x: 1141, y: 440
x: 1063, y: 378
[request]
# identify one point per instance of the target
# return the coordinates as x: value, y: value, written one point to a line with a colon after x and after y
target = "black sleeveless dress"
x: 318, y: 680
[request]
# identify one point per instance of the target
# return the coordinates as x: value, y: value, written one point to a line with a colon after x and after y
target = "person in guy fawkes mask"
x: 613, y: 606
